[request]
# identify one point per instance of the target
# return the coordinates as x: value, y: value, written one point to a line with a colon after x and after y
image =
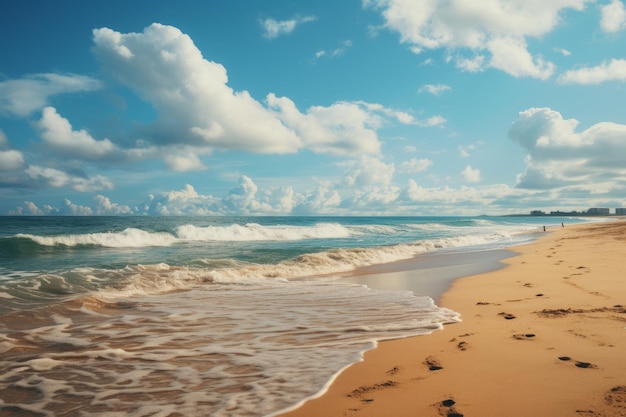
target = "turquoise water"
x: 231, y: 316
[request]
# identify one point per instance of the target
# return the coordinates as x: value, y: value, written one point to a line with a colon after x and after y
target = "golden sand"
x: 543, y: 337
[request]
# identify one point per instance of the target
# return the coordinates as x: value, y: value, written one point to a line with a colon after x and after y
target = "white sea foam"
x: 128, y: 238
x: 136, y: 238
x: 257, y: 232
x: 219, y: 350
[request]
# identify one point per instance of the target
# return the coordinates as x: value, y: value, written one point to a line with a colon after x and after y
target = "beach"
x: 543, y: 336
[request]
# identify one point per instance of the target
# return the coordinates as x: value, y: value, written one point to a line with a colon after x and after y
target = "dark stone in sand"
x: 539, y: 295
x: 564, y: 358
x: 454, y: 414
x: 448, y: 403
x: 529, y: 335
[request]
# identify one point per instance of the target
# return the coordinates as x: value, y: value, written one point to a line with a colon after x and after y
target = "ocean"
x: 199, y: 316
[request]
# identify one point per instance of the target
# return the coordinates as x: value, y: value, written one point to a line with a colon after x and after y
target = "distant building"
x: 537, y: 213
x: 620, y: 211
x: 595, y: 211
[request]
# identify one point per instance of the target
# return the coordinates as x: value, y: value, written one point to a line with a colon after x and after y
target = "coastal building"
x: 621, y: 211
x: 596, y: 211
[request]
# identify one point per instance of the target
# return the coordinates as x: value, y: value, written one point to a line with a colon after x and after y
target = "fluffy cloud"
x: 613, y: 17
x: 559, y: 156
x: 196, y: 106
x: 343, y: 128
x: 104, y: 206
x: 499, y: 28
x: 244, y: 199
x: 273, y: 28
x: 10, y: 160
x: 614, y: 70
x: 191, y: 95
x: 24, y: 96
x: 470, y: 174
x: 415, y: 165
x: 368, y: 171
x: 55, y: 178
x: 57, y: 132
x: 434, y: 89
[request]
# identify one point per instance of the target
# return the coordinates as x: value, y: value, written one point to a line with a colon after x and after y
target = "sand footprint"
x: 507, y: 316
x: 433, y: 364
x: 578, y: 364
x: 526, y: 336
x: 446, y: 408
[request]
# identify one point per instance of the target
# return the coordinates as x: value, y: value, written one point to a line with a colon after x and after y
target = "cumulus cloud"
x: 560, y: 156
x: 10, y: 159
x: 56, y: 131
x: 244, y: 199
x: 415, y: 165
x: 470, y: 174
x: 183, y: 160
x: 55, y: 178
x: 104, y: 206
x: 343, y: 128
x: 368, y: 171
x: 273, y: 28
x: 71, y: 209
x: 495, y: 32
x: 197, y: 107
x: 23, y: 96
x: 613, y: 17
x: 614, y: 70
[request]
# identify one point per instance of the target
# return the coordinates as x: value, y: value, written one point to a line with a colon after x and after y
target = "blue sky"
x: 373, y: 107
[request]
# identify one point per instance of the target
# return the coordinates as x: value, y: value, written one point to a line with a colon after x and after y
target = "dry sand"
x: 543, y: 337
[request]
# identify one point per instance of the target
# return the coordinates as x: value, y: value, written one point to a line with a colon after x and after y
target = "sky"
x: 325, y: 107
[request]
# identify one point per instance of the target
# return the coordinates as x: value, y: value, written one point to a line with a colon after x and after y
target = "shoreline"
x: 543, y: 336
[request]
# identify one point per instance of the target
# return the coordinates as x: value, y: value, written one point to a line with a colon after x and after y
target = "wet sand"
x: 544, y: 336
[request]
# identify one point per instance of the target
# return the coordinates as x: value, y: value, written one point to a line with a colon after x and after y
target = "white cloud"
x: 497, y: 27
x: 470, y: 174
x: 11, y: 160
x: 345, y: 45
x: 104, y: 206
x: 23, y: 96
x: 183, y: 161
x: 72, y: 209
x: 614, y: 70
x: 244, y: 199
x: 342, y: 129
x: 613, y: 17
x: 57, y: 132
x: 55, y: 178
x: 197, y: 107
x: 562, y: 51
x: 368, y: 171
x: 273, y: 28
x: 434, y: 89
x: 559, y: 156
x: 415, y: 165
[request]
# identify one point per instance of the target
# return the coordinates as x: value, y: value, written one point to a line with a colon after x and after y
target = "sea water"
x: 199, y: 316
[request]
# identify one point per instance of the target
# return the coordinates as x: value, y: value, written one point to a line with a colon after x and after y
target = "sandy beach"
x: 544, y: 336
